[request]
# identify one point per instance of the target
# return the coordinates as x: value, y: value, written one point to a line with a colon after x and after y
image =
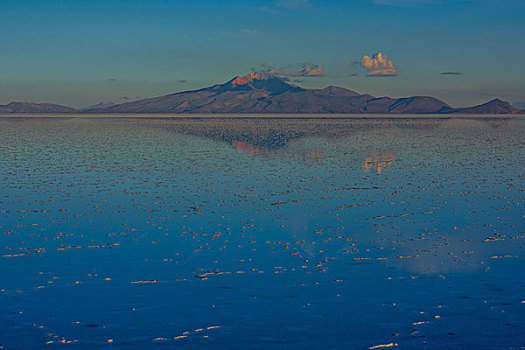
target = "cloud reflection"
x: 378, y: 161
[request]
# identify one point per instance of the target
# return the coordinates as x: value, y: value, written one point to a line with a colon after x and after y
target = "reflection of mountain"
x: 378, y: 161
x: 497, y: 122
x: 246, y: 147
x: 314, y: 155
x: 260, y: 135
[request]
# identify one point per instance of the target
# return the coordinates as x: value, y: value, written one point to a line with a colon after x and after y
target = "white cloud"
x: 378, y: 65
x: 308, y: 70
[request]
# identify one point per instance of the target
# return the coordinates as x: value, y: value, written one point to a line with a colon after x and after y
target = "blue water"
x: 262, y: 234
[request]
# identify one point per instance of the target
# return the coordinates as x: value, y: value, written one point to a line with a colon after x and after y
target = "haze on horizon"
x: 80, y: 53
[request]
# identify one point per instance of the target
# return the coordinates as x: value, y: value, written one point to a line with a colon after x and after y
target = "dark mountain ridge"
x: 28, y: 107
x: 264, y: 93
x: 495, y: 106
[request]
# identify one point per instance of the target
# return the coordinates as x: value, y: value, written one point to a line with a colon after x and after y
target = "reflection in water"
x: 246, y: 147
x: 314, y: 155
x: 310, y: 155
x: 141, y: 232
x: 379, y: 161
x: 272, y: 134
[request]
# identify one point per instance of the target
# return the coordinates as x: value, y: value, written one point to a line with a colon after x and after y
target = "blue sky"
x: 84, y: 52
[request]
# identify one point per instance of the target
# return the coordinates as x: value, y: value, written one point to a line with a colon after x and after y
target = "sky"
x: 80, y: 53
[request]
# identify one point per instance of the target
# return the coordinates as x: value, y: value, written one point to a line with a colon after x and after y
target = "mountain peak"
x: 260, y: 81
x: 253, y: 78
x: 248, y: 78
x: 336, y: 91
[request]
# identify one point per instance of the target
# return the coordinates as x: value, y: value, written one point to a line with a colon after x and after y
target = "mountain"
x: 495, y: 106
x: 28, y: 107
x: 264, y: 93
x: 519, y: 105
x: 97, y: 106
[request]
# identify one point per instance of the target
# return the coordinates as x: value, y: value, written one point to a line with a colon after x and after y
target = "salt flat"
x: 243, y: 116
x: 262, y: 233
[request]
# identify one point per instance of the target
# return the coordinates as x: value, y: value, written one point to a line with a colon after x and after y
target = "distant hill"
x: 97, y: 105
x: 28, y: 107
x: 265, y: 93
x: 495, y: 106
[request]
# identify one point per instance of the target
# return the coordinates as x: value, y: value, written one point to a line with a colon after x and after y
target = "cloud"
x: 280, y: 6
x: 240, y: 33
x: 378, y: 65
x: 267, y: 9
x: 451, y: 73
x: 308, y: 70
x: 292, y: 4
x: 405, y: 2
x: 505, y: 4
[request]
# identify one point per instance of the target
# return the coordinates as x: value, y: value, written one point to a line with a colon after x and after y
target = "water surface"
x: 262, y: 234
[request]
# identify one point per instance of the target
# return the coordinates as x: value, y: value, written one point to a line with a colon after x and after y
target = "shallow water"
x: 259, y: 234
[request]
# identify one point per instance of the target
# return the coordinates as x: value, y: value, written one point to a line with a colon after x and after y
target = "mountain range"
x: 28, y: 107
x: 264, y: 93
